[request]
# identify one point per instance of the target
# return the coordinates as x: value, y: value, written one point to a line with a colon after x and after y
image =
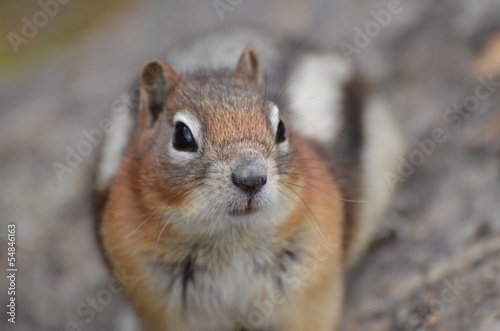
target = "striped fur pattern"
x: 206, y: 255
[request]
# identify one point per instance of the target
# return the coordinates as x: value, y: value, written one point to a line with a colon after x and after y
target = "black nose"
x: 249, y: 184
x: 249, y: 172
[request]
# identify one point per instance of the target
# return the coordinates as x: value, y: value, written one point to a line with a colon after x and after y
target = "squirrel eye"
x: 183, y: 138
x: 280, y: 132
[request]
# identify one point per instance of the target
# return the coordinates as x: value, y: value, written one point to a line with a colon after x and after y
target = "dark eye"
x: 183, y: 138
x: 280, y: 133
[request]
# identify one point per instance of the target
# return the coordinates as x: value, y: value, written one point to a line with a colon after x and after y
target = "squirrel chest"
x: 231, y: 207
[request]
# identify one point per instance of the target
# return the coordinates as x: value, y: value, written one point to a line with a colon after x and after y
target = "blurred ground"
x: 436, y: 267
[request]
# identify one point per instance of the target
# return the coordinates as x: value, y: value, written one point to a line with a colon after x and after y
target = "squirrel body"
x: 236, y: 210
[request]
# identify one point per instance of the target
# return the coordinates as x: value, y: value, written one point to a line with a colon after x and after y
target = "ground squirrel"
x: 250, y: 176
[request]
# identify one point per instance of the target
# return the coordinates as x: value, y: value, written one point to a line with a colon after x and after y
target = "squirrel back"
x: 227, y: 188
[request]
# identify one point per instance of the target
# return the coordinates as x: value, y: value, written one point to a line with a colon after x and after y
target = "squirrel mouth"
x: 247, y: 210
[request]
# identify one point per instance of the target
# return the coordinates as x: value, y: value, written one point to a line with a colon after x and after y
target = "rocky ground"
x: 436, y: 265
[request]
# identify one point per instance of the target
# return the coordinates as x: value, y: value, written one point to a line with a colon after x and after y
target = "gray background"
x: 444, y: 223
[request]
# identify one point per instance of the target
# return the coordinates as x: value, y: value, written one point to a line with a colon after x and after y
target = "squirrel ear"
x: 157, y: 78
x: 248, y: 64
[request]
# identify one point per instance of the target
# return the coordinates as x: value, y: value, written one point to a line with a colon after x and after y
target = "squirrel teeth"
x: 247, y: 210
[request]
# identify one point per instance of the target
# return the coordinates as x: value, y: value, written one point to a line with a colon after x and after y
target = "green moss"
x: 68, y: 26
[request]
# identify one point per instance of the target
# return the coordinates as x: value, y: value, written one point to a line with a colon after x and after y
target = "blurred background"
x: 436, y: 264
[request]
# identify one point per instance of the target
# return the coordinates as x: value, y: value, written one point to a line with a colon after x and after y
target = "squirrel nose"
x: 249, y: 172
x: 249, y: 184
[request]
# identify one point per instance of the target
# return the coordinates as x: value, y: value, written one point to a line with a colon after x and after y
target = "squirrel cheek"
x: 283, y: 147
x: 180, y: 157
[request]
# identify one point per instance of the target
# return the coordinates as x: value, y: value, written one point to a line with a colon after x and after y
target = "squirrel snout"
x: 249, y: 172
x: 249, y: 184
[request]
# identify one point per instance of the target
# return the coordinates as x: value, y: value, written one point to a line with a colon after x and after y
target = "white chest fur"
x: 218, y: 287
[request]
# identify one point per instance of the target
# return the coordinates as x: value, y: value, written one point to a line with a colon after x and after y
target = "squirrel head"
x: 212, y: 151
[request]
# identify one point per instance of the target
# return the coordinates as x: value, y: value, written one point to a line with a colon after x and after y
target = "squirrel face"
x: 213, y: 151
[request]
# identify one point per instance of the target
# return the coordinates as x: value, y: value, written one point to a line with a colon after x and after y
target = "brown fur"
x: 348, y: 149
x: 231, y: 108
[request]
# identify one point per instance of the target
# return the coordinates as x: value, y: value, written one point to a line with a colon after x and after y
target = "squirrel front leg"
x: 317, y: 309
